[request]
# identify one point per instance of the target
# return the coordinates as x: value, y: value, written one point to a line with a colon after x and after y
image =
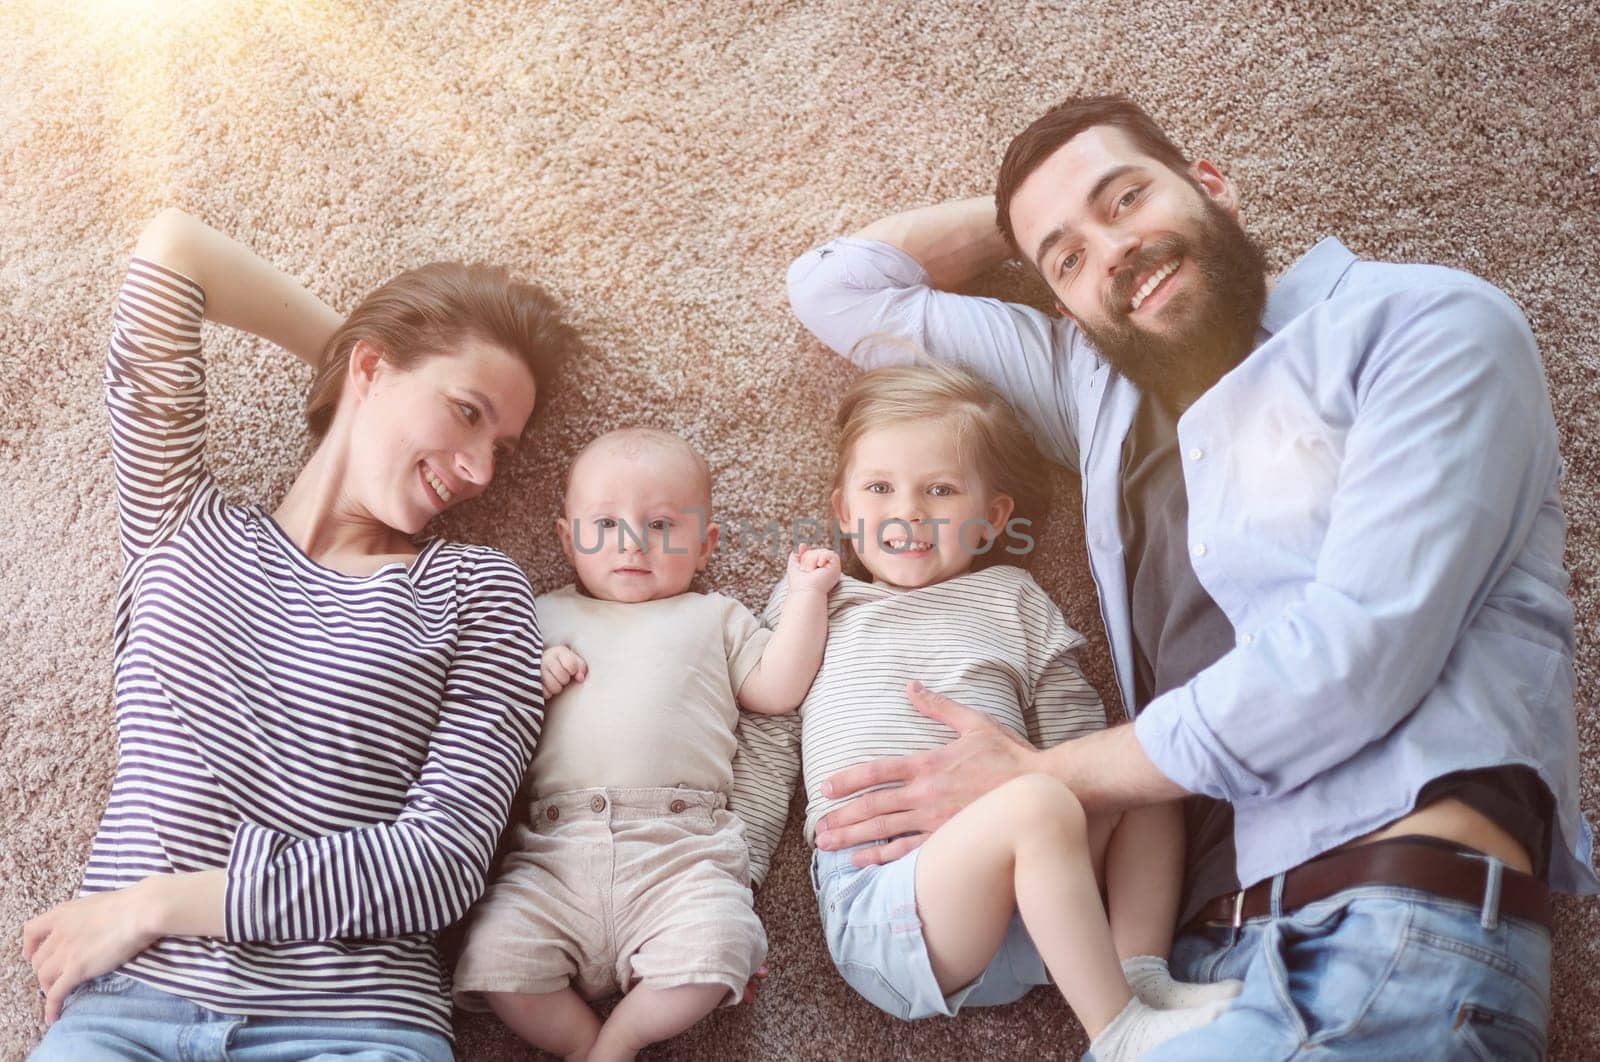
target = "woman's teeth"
x: 1155, y: 280
x: 438, y: 488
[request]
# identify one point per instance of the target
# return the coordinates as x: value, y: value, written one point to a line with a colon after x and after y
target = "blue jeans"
x: 116, y: 1017
x: 1372, y: 972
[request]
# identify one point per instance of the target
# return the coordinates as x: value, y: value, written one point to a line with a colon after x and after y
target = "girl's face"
x: 916, y: 513
x: 427, y: 438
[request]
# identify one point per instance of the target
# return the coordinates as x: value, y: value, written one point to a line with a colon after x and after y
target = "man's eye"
x: 1068, y: 264
x: 1129, y: 197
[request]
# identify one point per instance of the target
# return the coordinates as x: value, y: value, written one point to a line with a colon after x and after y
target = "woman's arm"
x: 241, y: 290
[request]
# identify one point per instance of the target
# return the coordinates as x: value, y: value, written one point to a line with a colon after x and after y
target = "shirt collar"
x: 1309, y: 281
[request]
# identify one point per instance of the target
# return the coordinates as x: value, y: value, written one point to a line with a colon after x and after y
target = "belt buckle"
x: 1238, y: 911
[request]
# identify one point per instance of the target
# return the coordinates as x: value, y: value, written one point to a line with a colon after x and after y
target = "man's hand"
x: 929, y: 787
x: 813, y: 568
x: 81, y: 939
x: 560, y: 668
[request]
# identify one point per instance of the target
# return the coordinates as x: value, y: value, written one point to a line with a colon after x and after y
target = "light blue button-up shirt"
x: 1372, y: 504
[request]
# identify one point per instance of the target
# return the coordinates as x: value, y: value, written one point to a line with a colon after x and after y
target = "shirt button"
x: 551, y: 814
x: 1195, y: 453
x: 598, y: 803
x: 1247, y: 639
x: 1199, y: 549
x: 677, y: 806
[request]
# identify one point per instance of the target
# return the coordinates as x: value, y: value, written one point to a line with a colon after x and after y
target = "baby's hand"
x: 560, y: 668
x: 813, y: 568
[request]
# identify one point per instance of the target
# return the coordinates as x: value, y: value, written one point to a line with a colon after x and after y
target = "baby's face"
x: 637, y: 527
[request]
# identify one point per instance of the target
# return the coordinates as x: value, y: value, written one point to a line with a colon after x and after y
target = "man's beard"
x: 1215, y: 319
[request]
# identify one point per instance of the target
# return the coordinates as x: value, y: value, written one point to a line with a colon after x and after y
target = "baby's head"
x: 933, y: 463
x: 636, y: 520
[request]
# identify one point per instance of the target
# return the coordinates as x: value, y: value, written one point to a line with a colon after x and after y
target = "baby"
x: 628, y: 873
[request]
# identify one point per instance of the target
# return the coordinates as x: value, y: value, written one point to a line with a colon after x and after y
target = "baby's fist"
x: 813, y: 568
x: 560, y: 668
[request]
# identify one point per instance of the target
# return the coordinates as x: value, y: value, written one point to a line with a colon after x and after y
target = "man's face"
x: 1151, y: 263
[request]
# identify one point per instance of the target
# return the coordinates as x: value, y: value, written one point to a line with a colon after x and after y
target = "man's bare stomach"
x: 1451, y: 820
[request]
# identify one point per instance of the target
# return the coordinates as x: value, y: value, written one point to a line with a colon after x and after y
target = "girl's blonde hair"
x: 989, y: 435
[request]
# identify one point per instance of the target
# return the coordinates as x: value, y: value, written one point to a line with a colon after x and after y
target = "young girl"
x: 933, y: 466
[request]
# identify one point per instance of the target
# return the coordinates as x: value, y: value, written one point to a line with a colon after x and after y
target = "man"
x: 1323, y: 520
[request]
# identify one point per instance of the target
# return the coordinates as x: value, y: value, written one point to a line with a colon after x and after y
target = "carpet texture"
x: 658, y: 166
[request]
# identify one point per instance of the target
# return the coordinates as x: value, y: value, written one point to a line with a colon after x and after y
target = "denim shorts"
x: 1372, y: 972
x: 116, y: 1017
x: 869, y: 916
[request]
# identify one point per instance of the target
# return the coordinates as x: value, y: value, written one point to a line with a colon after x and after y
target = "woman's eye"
x: 469, y: 411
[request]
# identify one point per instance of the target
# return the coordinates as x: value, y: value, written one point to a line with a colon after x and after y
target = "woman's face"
x: 427, y: 438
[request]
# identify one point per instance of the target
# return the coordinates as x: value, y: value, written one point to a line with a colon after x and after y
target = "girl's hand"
x: 559, y: 668
x: 81, y: 939
x: 814, y: 568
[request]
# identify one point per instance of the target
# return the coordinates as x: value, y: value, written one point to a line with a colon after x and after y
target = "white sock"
x: 1152, y: 982
x: 1139, y: 1028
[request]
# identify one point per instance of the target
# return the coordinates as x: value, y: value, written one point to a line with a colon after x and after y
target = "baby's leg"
x: 648, y: 1015
x: 1023, y: 846
x: 558, y: 1022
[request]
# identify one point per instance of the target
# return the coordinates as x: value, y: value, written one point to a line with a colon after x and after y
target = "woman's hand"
x: 559, y: 668
x: 932, y: 785
x: 81, y: 939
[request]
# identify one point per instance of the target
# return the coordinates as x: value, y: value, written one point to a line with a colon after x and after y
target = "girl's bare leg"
x: 558, y: 1022
x: 1144, y: 877
x: 649, y: 1015
x: 1024, y: 846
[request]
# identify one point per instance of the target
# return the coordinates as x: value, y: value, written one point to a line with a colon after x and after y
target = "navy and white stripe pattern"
x: 992, y: 639
x: 346, y: 747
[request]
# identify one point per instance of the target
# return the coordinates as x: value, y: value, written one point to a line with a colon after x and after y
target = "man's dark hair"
x: 1060, y: 124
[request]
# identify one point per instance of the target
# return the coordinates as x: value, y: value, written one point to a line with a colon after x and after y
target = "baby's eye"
x: 605, y: 522
x: 660, y: 525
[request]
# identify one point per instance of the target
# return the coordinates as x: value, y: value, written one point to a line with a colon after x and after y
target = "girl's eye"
x: 941, y: 490
x: 469, y: 411
x: 877, y: 488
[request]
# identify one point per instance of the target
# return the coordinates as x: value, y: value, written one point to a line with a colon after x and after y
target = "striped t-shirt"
x: 346, y: 747
x: 991, y: 639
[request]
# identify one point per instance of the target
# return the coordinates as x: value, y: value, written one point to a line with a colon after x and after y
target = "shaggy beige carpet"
x: 658, y: 166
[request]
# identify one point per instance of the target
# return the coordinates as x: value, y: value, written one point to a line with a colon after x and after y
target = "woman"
x: 321, y: 719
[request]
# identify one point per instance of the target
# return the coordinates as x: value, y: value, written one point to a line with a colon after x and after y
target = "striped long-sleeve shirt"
x: 347, y: 748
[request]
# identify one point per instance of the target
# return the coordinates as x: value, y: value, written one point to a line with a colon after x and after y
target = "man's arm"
x: 887, y: 279
x: 1107, y: 770
x: 953, y: 241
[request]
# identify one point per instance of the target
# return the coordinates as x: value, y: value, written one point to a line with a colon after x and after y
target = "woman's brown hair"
x: 428, y: 310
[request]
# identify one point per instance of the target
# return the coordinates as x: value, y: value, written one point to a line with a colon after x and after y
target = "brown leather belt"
x: 1397, y: 863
